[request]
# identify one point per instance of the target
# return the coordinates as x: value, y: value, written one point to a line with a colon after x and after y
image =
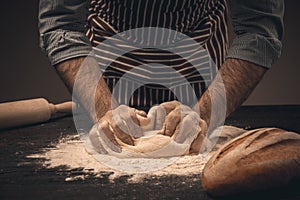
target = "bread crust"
x: 256, y: 160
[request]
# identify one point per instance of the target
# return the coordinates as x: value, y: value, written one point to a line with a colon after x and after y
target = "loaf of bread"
x: 256, y: 160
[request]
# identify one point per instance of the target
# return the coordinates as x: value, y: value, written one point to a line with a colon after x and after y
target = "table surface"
x: 26, y: 178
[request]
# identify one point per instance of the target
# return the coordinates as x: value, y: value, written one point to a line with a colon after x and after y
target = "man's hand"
x: 181, y: 119
x: 123, y: 124
x: 175, y: 120
x: 174, y: 114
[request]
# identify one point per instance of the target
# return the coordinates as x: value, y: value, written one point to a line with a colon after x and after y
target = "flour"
x: 70, y: 152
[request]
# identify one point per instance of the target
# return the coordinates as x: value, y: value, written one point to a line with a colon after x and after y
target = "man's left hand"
x: 173, y: 118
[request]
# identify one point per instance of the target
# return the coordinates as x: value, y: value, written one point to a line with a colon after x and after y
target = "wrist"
x: 203, y: 108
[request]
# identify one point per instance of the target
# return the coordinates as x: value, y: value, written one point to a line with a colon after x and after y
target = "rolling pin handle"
x: 65, y: 107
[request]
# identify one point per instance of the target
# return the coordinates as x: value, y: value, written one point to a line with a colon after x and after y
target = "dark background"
x: 26, y: 73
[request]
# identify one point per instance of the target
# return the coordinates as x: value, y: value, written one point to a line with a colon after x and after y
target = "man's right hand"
x: 123, y: 124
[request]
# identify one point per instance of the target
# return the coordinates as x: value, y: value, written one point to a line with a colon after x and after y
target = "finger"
x: 133, y: 116
x: 187, y: 130
x: 107, y: 135
x: 174, y: 118
x: 126, y: 120
x: 131, y: 121
x: 143, y: 121
x: 123, y: 136
x: 160, y: 116
x: 152, y: 116
x: 141, y: 113
x: 197, y: 144
x: 170, y: 105
x: 171, y: 122
x: 157, y: 114
x: 94, y: 139
x: 119, y: 127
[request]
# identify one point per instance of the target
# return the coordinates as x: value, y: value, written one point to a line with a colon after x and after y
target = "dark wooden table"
x: 26, y: 178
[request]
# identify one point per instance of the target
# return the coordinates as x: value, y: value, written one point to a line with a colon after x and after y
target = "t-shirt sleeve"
x: 61, y: 28
x: 258, y: 25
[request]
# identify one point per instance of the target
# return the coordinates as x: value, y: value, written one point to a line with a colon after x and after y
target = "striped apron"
x: 152, y: 71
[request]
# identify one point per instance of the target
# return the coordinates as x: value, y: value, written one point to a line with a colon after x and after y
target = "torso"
x: 202, y: 20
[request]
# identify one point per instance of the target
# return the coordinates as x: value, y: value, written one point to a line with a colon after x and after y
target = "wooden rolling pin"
x: 30, y: 111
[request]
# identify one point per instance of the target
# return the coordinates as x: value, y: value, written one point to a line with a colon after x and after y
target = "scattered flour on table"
x: 70, y: 152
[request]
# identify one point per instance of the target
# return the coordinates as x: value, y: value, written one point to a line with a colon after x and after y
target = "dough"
x: 152, y: 144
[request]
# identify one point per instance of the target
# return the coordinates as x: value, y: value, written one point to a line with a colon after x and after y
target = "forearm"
x: 84, y: 90
x: 239, y: 78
